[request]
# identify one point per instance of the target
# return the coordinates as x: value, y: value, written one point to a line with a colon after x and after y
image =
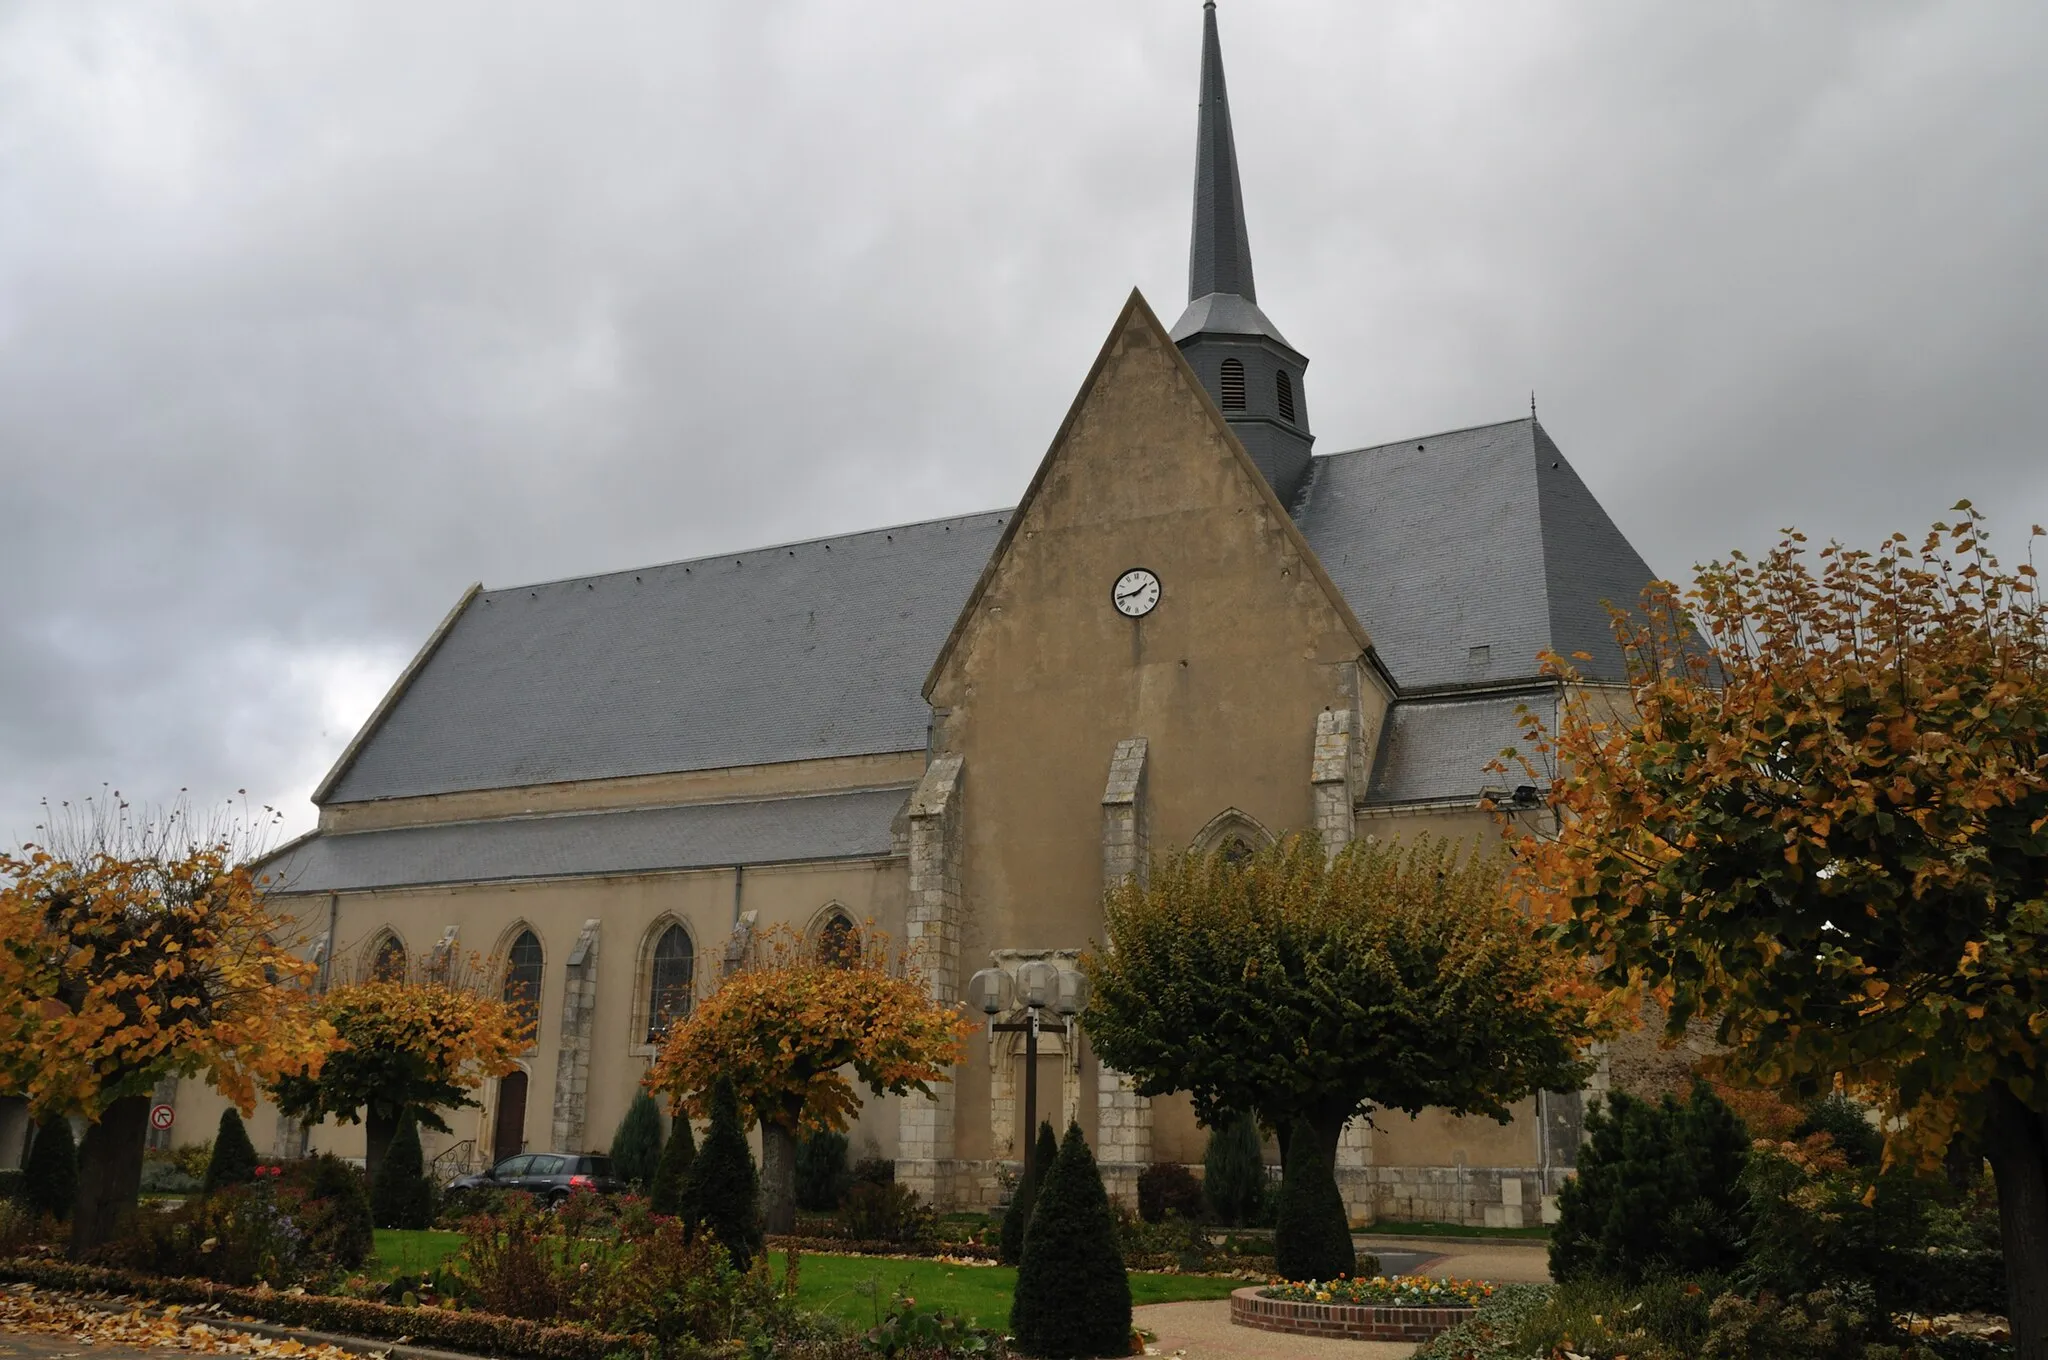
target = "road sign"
x: 162, y: 1116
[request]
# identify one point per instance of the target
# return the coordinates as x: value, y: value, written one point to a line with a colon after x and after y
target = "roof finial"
x: 1532, y: 403
x: 1220, y: 257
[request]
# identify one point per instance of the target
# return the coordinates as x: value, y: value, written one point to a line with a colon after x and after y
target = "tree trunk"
x: 109, y: 1173
x: 378, y: 1131
x: 778, y: 1177
x: 2016, y: 1141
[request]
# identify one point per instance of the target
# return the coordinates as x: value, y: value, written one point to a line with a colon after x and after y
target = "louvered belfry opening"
x: 1283, y: 390
x: 1233, y: 385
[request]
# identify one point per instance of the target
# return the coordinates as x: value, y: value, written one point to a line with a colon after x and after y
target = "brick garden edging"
x: 1342, y: 1321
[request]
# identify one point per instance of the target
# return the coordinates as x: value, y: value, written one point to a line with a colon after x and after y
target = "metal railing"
x: 457, y: 1160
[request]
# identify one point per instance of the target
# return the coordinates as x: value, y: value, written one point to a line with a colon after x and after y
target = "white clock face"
x: 1136, y: 592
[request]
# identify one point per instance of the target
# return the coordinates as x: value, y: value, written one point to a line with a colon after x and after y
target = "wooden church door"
x: 509, y: 1135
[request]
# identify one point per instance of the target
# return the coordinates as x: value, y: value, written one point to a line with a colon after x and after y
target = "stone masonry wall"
x: 924, y: 1145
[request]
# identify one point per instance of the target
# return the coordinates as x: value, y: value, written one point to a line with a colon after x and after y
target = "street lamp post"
x: 1039, y: 984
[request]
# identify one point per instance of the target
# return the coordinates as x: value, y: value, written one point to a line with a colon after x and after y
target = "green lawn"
x: 858, y: 1288
x: 407, y: 1251
x: 1387, y: 1228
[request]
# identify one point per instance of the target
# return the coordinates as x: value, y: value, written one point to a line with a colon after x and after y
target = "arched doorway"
x: 508, y: 1135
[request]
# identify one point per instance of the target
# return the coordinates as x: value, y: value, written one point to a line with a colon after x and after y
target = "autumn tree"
x: 1310, y: 990
x: 1823, y: 821
x: 414, y: 1035
x: 134, y: 947
x: 782, y: 1029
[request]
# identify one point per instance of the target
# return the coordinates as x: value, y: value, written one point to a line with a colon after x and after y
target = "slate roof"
x: 1482, y: 538
x: 1438, y: 749
x: 793, y: 652
x: 1466, y: 554
x: 704, y: 835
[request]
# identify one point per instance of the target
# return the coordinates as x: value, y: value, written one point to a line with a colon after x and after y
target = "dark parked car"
x: 550, y: 1177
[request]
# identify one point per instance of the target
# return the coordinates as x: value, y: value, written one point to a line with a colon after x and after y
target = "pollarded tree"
x: 418, y: 1039
x: 135, y: 949
x: 1827, y: 828
x: 1311, y: 990
x: 782, y: 1030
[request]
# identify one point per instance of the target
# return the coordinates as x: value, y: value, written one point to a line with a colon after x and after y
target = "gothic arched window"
x: 1233, y: 385
x: 1235, y: 850
x: 1283, y: 392
x: 671, y: 984
x: 522, y: 980
x: 837, y: 944
x: 388, y: 963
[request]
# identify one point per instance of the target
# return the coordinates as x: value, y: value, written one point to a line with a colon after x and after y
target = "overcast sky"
x: 312, y: 314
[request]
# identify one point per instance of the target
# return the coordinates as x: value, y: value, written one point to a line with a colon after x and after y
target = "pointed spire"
x: 1220, y: 257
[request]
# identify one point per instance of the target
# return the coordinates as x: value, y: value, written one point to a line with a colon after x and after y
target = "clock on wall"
x: 1135, y: 593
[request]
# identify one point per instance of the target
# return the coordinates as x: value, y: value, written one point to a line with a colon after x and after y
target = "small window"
x: 522, y: 978
x: 1283, y: 391
x: 671, y: 988
x: 1233, y: 385
x: 388, y: 964
x: 836, y: 943
x: 1236, y: 850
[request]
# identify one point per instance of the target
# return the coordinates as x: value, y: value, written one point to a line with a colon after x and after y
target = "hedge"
x: 479, y: 1333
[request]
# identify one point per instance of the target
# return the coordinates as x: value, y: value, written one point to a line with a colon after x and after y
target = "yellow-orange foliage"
x: 117, y: 970
x: 781, y: 1030
x: 420, y: 1041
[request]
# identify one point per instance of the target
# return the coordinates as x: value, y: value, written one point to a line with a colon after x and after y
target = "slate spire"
x: 1250, y: 370
x: 1220, y: 257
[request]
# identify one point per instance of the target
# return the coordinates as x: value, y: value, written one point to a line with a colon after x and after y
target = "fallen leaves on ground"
x: 123, y: 1322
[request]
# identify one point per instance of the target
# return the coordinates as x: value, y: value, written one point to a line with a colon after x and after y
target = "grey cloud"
x: 309, y: 316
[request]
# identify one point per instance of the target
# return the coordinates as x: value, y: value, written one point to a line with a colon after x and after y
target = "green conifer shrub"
x: 665, y: 1195
x: 721, y: 1193
x: 402, y: 1196
x: 234, y: 1156
x: 1658, y: 1191
x: 1017, y: 1217
x: 1072, y: 1297
x: 1312, y: 1239
x: 50, y: 1177
x: 822, y: 1179
x: 1234, y: 1177
x: 636, y: 1143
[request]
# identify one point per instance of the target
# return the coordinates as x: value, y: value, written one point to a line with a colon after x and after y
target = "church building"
x: 1192, y: 628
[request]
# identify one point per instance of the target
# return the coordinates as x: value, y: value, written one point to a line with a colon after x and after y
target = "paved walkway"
x: 1203, y: 1330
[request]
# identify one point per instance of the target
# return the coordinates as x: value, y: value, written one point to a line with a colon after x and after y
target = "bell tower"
x: 1241, y: 357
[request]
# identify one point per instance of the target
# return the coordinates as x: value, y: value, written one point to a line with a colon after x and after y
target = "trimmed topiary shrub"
x: 1168, y: 1188
x: 50, y: 1176
x: 636, y: 1144
x: 1312, y: 1239
x: 234, y: 1156
x: 1234, y: 1180
x: 402, y: 1196
x: 1658, y: 1192
x: 1072, y: 1296
x: 666, y: 1194
x: 1017, y: 1217
x: 335, y: 1215
x: 721, y: 1192
x: 822, y: 1179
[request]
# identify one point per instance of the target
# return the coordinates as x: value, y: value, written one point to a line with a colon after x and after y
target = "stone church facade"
x: 959, y: 731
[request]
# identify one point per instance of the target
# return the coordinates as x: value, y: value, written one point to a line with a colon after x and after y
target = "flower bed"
x: 1383, y: 1308
x: 1407, y: 1291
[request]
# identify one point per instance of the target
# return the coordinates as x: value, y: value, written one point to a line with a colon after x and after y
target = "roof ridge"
x: 784, y: 545
x: 1438, y: 434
